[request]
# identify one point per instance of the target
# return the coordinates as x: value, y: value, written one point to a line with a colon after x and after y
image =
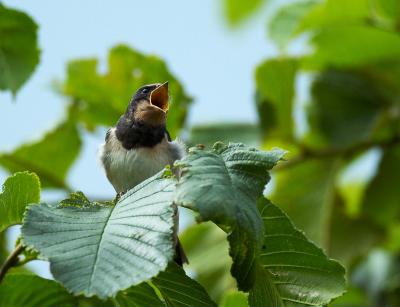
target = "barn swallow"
x: 139, y: 146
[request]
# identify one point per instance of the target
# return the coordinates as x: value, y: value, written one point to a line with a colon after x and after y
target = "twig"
x: 11, y: 260
x: 308, y: 153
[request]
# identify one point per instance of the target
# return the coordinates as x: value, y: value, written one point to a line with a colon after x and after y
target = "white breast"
x: 127, y: 168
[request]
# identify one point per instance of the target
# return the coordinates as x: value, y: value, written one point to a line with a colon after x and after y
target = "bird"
x: 139, y: 145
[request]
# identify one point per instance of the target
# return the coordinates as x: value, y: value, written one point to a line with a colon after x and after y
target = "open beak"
x: 159, y: 97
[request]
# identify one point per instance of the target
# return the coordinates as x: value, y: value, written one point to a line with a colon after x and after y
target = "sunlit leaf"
x: 282, y: 27
x: 33, y: 291
x: 19, y: 191
x: 295, y: 270
x: 104, y: 97
x: 179, y: 290
x: 98, y: 250
x: 50, y: 157
x: 19, y: 52
x: 236, y: 11
x: 351, y: 46
x: 223, y: 186
x: 275, y: 81
x: 336, y: 12
x: 234, y: 299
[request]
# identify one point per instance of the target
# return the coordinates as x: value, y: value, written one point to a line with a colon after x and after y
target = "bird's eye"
x: 145, y: 90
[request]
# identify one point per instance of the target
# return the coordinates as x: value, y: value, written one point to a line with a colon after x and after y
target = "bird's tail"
x: 180, y: 256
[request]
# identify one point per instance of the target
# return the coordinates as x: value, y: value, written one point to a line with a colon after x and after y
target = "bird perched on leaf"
x: 139, y: 146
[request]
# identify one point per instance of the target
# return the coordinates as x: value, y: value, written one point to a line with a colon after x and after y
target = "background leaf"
x: 237, y: 11
x: 98, y: 250
x: 50, y: 157
x: 275, y: 81
x: 142, y: 295
x: 19, y: 190
x: 128, y: 70
x: 19, y: 52
x: 283, y: 25
x: 33, y: 291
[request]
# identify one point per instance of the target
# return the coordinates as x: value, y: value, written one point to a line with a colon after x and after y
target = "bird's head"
x: 144, y: 122
x: 150, y: 104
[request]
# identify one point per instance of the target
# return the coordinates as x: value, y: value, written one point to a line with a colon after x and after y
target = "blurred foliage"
x: 51, y: 157
x: 19, y: 52
x: 128, y: 70
x: 237, y: 11
x: 18, y: 191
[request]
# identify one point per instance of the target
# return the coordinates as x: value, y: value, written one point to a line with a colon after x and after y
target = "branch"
x: 11, y: 261
x: 308, y: 153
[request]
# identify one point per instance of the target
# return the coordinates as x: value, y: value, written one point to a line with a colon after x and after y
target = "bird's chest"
x: 127, y: 168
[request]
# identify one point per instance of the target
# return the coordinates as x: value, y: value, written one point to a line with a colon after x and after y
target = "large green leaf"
x: 225, y: 132
x: 352, y: 46
x: 102, y: 98
x: 19, y: 190
x: 275, y: 81
x: 306, y: 193
x: 346, y: 107
x: 98, y: 250
x: 50, y: 157
x: 19, y: 52
x: 296, y: 272
x: 331, y: 13
x: 234, y: 299
x: 236, y: 11
x: 381, y: 200
x: 282, y: 27
x: 207, y: 249
x: 223, y: 186
x: 142, y: 295
x: 33, y: 291
x: 178, y: 290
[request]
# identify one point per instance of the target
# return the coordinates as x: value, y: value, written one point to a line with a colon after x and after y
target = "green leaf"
x: 381, y: 199
x: 33, y: 291
x: 142, y: 295
x: 306, y: 193
x: 296, y: 271
x: 50, y: 157
x: 332, y: 13
x: 234, y: 299
x: 225, y: 132
x: 390, y: 8
x: 282, y: 27
x: 99, y: 250
x: 264, y: 293
x: 19, y: 52
x: 19, y: 190
x: 223, y: 186
x: 352, y: 46
x: 345, y: 108
x: 207, y: 249
x: 237, y: 11
x: 275, y: 81
x: 102, y: 98
x: 178, y: 290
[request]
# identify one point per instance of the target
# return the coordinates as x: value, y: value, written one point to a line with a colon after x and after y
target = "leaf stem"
x: 11, y: 261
